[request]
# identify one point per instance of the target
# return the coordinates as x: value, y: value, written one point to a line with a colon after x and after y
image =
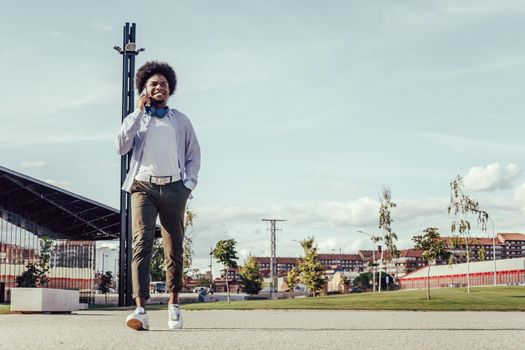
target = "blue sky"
x: 304, y: 109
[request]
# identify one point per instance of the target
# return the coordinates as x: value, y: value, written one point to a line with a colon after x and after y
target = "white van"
x: 157, y: 287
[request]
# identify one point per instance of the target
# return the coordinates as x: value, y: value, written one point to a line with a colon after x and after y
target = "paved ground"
x: 269, y: 329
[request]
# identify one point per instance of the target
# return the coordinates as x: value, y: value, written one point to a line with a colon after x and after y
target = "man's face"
x: 158, y: 88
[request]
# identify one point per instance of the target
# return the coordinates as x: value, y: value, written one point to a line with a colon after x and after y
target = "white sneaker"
x: 138, y: 320
x: 174, y: 317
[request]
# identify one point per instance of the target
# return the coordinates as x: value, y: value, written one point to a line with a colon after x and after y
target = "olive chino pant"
x: 169, y: 203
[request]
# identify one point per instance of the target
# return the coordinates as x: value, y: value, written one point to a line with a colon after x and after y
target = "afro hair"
x: 151, y: 68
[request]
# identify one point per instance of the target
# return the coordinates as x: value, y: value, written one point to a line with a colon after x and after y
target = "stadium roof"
x: 50, y: 210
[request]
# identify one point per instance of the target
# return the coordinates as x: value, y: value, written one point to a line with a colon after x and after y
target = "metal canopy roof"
x: 60, y: 213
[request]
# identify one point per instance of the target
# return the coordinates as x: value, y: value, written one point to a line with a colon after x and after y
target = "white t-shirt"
x: 159, y: 157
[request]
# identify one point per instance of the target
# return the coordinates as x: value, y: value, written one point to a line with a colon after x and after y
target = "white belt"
x: 157, y: 180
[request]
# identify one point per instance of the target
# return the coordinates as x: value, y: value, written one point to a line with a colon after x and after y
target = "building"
x: 339, y: 262
x: 31, y: 209
x: 506, y: 246
x: 107, y: 259
x: 481, y: 248
x: 513, y: 244
x: 508, y: 272
x: 342, y: 262
x: 284, y: 264
x: 409, y: 260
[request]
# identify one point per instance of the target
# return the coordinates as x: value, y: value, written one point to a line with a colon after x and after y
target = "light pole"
x: 211, y: 272
x: 305, y: 287
x: 493, y: 249
x: 340, y: 260
x: 374, y: 239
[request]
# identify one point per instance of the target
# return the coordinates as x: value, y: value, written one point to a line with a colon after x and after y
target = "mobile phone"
x: 145, y: 93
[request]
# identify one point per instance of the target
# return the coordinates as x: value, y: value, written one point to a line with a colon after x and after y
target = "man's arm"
x: 128, y: 130
x: 193, y: 158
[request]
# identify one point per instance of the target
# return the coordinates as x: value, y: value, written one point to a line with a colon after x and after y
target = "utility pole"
x: 273, y: 257
x: 128, y: 52
x: 211, y: 271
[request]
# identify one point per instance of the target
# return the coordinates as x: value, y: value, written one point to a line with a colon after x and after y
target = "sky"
x: 304, y: 110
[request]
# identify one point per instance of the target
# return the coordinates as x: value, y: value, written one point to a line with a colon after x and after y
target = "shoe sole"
x: 136, y: 325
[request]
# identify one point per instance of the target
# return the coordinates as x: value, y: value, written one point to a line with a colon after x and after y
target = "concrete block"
x: 44, y: 300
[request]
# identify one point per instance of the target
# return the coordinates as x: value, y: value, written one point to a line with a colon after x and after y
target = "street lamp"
x: 340, y: 257
x: 374, y: 239
x: 211, y: 272
x: 493, y: 249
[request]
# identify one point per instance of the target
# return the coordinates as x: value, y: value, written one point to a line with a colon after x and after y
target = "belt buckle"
x: 160, y: 180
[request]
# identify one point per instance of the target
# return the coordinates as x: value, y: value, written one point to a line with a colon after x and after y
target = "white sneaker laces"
x: 174, y: 313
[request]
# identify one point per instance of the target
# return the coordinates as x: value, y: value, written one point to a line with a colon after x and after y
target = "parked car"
x: 356, y: 290
x: 202, y: 290
x: 300, y: 288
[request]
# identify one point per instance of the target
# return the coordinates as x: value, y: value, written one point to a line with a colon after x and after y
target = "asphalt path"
x: 304, y: 329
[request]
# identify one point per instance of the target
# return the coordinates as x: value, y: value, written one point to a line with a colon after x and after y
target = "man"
x: 164, y: 167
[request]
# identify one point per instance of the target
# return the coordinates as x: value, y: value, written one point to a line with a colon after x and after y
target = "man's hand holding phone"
x: 143, y: 100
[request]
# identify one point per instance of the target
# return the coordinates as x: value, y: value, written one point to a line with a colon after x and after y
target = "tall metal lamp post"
x: 128, y: 51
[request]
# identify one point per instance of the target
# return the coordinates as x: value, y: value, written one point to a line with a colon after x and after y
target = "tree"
x: 482, y: 254
x: 345, y: 282
x: 157, y: 264
x: 433, y: 248
x: 188, y: 241
x: 157, y: 267
x: 312, y: 271
x: 35, y: 275
x: 385, y: 222
x: 226, y: 254
x: 292, y: 278
x: 251, y: 278
x: 364, y: 280
x: 204, y: 282
x: 106, y: 281
x: 29, y: 278
x: 463, y: 205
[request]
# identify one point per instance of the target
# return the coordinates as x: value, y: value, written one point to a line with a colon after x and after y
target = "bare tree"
x: 188, y: 241
x: 462, y: 205
x: 385, y: 222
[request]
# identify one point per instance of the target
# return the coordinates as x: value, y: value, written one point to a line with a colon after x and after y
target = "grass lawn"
x: 445, y: 299
x: 479, y: 299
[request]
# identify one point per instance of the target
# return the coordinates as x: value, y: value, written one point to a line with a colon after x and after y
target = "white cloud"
x: 491, y: 177
x: 33, y: 164
x: 334, y: 224
x: 519, y: 195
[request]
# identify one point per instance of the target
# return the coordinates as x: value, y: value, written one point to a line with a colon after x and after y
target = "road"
x: 269, y: 329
